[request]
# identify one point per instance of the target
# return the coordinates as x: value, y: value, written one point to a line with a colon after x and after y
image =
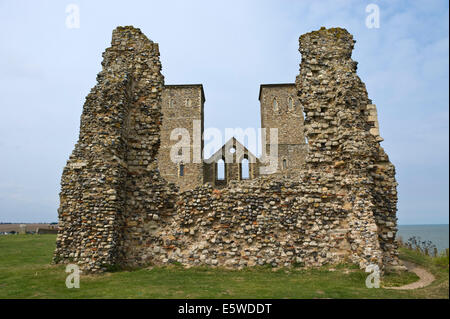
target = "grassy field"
x: 25, y: 272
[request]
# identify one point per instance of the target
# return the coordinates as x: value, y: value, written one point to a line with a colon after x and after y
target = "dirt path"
x: 425, y: 277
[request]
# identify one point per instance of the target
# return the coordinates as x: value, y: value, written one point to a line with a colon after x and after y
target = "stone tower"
x: 182, y: 108
x: 281, y: 109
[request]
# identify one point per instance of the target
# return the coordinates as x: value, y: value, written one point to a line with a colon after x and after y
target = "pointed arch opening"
x: 220, y: 170
x: 290, y: 103
x: 181, y: 170
x: 244, y: 168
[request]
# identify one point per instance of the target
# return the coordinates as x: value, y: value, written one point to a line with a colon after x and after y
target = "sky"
x: 231, y: 47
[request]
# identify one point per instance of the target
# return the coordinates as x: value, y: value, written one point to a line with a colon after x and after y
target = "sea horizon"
x: 438, y: 234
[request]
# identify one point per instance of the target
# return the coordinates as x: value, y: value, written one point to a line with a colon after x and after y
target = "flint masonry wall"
x: 256, y: 222
x: 344, y: 155
x: 111, y: 189
x: 117, y: 210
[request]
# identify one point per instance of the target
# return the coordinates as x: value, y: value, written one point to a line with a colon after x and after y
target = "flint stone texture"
x: 338, y: 206
x: 111, y: 181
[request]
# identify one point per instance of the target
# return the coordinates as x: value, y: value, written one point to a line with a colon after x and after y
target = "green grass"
x: 25, y: 272
x: 441, y: 261
x: 395, y: 279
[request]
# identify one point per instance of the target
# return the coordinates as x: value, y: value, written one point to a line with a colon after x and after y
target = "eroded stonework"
x: 337, y: 205
x: 111, y: 182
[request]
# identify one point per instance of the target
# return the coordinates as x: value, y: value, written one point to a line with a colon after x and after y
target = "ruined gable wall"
x: 233, y: 164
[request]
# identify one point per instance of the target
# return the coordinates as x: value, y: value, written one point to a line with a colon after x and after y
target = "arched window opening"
x: 284, y: 164
x: 245, y: 174
x: 181, y: 170
x: 291, y: 103
x: 171, y: 103
x: 188, y: 103
x: 220, y: 170
x: 275, y: 105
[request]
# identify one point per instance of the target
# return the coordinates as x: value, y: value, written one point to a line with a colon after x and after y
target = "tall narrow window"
x: 181, y: 170
x: 220, y: 170
x: 188, y: 103
x: 291, y: 103
x: 275, y: 105
x: 245, y: 169
x: 171, y: 103
x: 284, y: 164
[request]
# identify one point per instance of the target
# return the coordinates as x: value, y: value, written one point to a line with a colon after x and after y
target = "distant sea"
x: 437, y: 234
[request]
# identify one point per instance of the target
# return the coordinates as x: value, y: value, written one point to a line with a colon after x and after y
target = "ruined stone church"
x: 332, y: 198
x: 183, y: 107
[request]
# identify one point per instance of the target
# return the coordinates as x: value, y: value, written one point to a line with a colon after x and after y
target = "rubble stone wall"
x: 344, y: 155
x: 255, y: 222
x: 111, y: 187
